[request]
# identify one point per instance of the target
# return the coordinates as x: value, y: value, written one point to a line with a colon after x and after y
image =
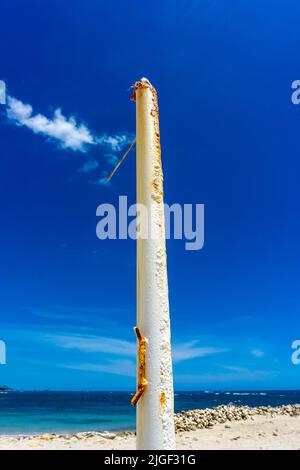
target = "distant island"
x: 4, y: 388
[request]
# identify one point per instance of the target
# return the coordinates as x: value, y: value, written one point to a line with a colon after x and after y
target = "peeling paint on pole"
x: 155, y: 407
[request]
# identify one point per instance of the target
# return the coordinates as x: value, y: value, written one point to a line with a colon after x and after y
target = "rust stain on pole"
x: 162, y: 400
x: 157, y: 182
x: 142, y: 382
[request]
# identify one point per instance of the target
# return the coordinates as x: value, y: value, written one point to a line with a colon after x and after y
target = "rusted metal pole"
x: 155, y: 396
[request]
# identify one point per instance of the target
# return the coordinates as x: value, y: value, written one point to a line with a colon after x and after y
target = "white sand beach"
x: 265, y: 431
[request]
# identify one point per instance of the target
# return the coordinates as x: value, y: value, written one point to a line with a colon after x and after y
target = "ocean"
x: 69, y: 412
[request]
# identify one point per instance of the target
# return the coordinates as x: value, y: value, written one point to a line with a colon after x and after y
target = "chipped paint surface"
x: 155, y: 408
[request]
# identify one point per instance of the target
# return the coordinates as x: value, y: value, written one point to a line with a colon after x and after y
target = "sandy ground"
x: 260, y: 432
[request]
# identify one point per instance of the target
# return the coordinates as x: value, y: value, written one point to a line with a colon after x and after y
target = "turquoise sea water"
x: 62, y: 412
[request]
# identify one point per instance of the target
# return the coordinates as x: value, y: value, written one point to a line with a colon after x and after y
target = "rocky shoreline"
x: 208, y: 417
x: 191, y: 420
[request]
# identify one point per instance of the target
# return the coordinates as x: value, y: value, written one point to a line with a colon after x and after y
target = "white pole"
x: 155, y: 396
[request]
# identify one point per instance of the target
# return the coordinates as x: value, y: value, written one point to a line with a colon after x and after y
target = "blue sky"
x: 229, y: 140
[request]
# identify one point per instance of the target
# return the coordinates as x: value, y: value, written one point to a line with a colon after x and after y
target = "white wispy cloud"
x: 98, y: 348
x: 66, y: 131
x: 103, y: 180
x: 126, y: 368
x: 181, y: 352
x: 191, y: 350
x: 69, y: 313
x: 111, y: 158
x: 88, y: 166
x: 94, y: 344
x: 89, y: 344
x: 2, y: 92
x: 257, y: 353
x: 228, y: 375
x: 115, y: 142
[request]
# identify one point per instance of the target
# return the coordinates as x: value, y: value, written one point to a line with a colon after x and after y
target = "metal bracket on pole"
x: 142, y: 382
